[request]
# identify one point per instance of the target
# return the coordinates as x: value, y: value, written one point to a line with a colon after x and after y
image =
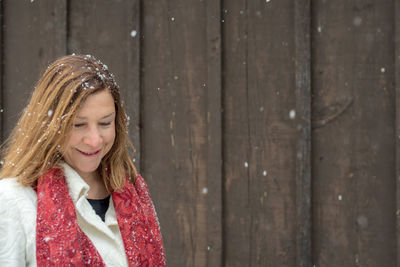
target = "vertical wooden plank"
x: 353, y: 114
x: 236, y: 221
x: 110, y: 31
x: 181, y: 126
x: 34, y: 35
x: 214, y: 135
x: 262, y: 110
x: 2, y: 134
x: 397, y: 129
x: 303, y: 105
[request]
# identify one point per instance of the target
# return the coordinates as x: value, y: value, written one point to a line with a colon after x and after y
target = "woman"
x: 69, y: 192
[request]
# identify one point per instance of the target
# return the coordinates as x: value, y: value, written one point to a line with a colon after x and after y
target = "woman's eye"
x: 78, y: 125
x: 105, y: 123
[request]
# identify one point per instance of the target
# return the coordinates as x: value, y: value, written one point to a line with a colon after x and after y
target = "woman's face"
x: 92, y: 135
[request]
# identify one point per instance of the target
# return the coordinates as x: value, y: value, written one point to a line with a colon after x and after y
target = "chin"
x: 88, y: 170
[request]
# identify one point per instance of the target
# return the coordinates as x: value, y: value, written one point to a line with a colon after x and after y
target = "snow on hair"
x: 35, y: 144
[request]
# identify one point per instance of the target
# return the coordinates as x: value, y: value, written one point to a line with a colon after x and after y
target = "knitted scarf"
x: 61, y: 242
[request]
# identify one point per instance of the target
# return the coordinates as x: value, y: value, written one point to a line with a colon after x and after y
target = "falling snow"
x: 357, y: 21
x: 246, y: 164
x: 292, y: 114
x: 133, y: 33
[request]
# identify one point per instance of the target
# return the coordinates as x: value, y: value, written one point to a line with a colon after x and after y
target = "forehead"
x: 100, y: 103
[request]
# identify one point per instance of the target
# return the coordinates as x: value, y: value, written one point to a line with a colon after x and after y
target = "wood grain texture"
x: 353, y: 111
x: 302, y: 57
x: 260, y: 133
x: 397, y: 121
x: 105, y: 29
x: 214, y: 135
x: 268, y: 131
x: 2, y: 102
x: 30, y: 43
x: 181, y: 126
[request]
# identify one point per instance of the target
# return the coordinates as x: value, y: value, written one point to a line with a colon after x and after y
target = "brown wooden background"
x: 267, y: 130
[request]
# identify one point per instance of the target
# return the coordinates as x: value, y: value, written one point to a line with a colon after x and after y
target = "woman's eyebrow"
x: 105, y: 117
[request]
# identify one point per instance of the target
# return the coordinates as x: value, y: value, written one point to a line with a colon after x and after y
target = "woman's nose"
x: 92, y: 137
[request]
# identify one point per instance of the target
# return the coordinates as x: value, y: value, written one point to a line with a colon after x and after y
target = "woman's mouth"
x: 89, y: 154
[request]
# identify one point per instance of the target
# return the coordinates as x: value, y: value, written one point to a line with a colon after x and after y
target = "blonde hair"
x: 36, y: 142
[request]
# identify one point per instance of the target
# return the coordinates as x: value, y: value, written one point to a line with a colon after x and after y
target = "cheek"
x: 110, y: 137
x: 109, y: 142
x: 73, y: 140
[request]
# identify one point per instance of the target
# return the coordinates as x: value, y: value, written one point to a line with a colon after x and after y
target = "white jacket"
x: 18, y: 223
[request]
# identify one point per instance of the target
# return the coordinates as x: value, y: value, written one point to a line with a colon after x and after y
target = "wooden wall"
x: 267, y: 130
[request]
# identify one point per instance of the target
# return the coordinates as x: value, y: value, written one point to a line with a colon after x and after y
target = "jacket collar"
x: 78, y: 190
x: 76, y: 185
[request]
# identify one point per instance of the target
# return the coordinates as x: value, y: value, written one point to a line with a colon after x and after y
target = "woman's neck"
x: 97, y: 189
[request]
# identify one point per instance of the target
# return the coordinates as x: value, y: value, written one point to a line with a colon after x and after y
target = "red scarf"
x: 61, y: 242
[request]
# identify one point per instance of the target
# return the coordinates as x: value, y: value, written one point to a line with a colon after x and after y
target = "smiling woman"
x: 91, y: 138
x: 69, y: 190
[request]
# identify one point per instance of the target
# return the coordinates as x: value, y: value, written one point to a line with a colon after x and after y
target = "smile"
x: 90, y: 154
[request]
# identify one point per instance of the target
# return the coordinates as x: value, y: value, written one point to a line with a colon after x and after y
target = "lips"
x: 89, y: 153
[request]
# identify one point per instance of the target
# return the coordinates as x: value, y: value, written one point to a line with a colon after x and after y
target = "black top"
x: 100, y: 206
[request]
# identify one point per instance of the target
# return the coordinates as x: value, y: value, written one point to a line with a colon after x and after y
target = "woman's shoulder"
x: 12, y: 193
x: 8, y: 184
x: 12, y: 184
x: 142, y: 190
x: 140, y: 184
